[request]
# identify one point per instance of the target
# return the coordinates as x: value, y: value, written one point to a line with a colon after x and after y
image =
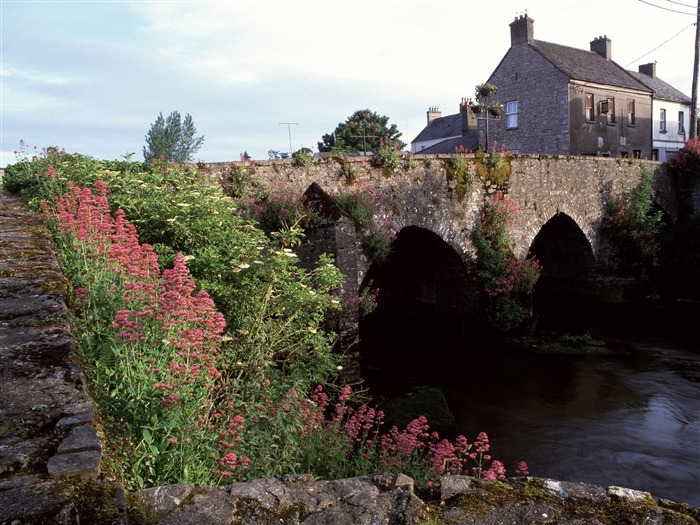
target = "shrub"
x: 362, y: 205
x: 684, y: 167
x: 632, y: 228
x: 461, y: 168
x: 388, y: 155
x: 505, y: 279
x: 494, y: 166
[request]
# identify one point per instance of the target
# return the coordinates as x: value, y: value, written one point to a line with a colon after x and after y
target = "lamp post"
x: 491, y: 110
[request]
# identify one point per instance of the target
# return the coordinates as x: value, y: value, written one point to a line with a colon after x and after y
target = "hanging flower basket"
x: 496, y: 109
x: 486, y: 90
x: 476, y: 108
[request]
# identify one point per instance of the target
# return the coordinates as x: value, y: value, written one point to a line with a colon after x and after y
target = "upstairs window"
x: 512, y: 114
x: 662, y: 121
x: 631, y: 117
x: 611, y: 110
x: 681, y: 122
x: 590, y: 115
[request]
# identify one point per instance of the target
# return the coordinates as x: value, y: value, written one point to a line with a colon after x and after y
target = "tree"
x: 172, y: 138
x: 362, y: 131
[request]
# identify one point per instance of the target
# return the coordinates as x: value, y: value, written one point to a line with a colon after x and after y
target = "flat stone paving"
x: 47, y: 433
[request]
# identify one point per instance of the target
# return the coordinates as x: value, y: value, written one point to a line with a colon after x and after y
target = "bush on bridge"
x: 505, y: 280
x: 632, y: 228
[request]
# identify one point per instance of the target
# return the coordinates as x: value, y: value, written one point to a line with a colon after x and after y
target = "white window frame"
x: 662, y: 121
x: 512, y: 114
x: 681, y: 122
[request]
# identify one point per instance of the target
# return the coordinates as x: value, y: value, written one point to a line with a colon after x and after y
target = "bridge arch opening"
x: 568, y: 264
x: 424, y: 295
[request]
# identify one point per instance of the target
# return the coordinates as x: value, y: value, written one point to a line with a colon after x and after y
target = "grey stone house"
x: 449, y: 133
x: 568, y: 101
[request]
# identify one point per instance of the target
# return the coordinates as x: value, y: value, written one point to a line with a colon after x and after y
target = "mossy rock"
x: 425, y: 401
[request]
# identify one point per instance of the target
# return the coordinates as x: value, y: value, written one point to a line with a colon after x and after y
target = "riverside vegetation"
x: 208, y: 349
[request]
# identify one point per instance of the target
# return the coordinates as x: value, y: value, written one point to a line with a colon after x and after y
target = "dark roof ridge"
x: 588, y: 66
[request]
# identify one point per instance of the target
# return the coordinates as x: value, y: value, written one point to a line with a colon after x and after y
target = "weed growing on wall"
x: 506, y: 280
x: 361, y: 204
x: 494, y: 166
x: 462, y: 169
x: 684, y: 167
x: 632, y: 228
x: 388, y: 156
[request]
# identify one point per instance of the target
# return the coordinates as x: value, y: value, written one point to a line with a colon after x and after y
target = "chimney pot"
x: 648, y: 69
x: 603, y: 46
x: 433, y: 113
x: 522, y: 30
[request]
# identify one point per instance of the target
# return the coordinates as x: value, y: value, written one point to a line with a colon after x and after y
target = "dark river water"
x: 631, y: 420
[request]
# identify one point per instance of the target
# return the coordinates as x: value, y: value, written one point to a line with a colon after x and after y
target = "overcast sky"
x: 91, y: 76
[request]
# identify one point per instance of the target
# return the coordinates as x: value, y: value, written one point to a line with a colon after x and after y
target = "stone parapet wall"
x: 427, y: 197
x: 48, y: 438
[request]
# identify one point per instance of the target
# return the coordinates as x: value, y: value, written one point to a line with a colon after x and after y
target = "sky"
x: 92, y: 76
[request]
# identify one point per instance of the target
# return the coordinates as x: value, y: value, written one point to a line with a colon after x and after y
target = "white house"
x: 670, y: 110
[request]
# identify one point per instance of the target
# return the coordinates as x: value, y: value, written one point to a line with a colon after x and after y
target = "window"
x: 662, y: 121
x: 611, y: 110
x: 681, y: 125
x: 630, y: 113
x: 590, y: 116
x: 512, y: 114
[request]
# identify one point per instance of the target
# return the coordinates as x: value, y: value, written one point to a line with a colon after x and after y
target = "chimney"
x: 433, y: 113
x: 648, y: 69
x: 469, y: 122
x: 603, y: 46
x: 522, y: 30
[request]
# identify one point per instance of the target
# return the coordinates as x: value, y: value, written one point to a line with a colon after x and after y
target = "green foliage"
x: 494, y: 166
x: 303, y: 157
x: 172, y: 139
x: 361, y: 204
x: 485, y: 90
x: 361, y: 131
x: 684, y: 167
x: 460, y: 168
x: 377, y: 242
x: 506, y: 280
x: 632, y: 228
x: 388, y: 155
x: 238, y: 180
x: 276, y: 313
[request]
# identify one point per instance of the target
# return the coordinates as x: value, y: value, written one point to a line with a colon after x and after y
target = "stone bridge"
x: 561, y: 203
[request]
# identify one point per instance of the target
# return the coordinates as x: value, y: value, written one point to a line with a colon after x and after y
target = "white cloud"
x: 103, y: 70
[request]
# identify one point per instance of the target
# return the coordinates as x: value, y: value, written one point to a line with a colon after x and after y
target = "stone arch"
x: 422, y: 284
x: 568, y: 262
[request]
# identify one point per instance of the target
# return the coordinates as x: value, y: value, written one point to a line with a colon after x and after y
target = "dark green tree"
x: 172, y: 138
x: 362, y: 131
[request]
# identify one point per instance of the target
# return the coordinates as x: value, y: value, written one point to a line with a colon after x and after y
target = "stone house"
x: 449, y: 133
x: 671, y: 113
x: 568, y: 101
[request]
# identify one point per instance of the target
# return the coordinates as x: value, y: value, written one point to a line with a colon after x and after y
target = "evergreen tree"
x: 362, y: 131
x: 173, y: 138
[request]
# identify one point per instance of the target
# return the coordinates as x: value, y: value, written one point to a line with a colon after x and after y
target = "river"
x: 631, y: 419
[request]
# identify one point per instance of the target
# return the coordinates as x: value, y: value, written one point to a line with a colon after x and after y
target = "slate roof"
x: 587, y: 66
x: 661, y: 89
x: 470, y: 142
x: 448, y: 126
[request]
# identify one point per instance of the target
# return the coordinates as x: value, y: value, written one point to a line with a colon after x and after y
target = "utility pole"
x: 694, y: 95
x: 289, y: 130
